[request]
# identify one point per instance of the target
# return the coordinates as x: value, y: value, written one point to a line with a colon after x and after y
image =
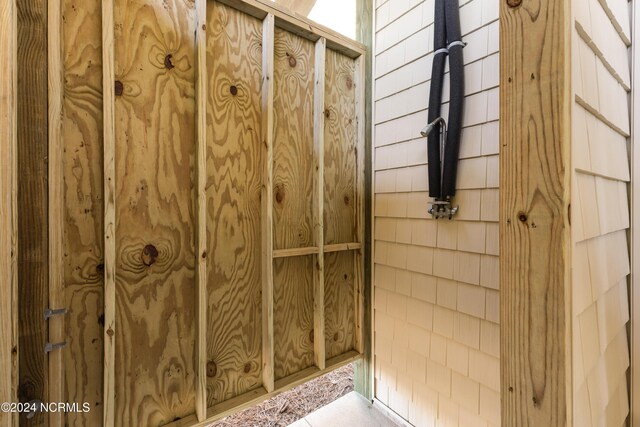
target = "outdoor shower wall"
x: 600, y: 219
x: 436, y: 290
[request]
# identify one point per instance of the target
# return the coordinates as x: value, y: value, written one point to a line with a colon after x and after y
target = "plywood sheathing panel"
x: 83, y: 264
x: 340, y: 149
x: 155, y: 233
x: 234, y: 169
x: 293, y: 315
x: 293, y: 141
x: 339, y: 303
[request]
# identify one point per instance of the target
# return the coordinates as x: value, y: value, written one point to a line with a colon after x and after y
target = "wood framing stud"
x: 534, y: 228
x: 318, y: 204
x: 8, y: 206
x: 267, y: 203
x: 359, y: 259
x: 56, y: 204
x: 108, y: 77
x: 201, y: 203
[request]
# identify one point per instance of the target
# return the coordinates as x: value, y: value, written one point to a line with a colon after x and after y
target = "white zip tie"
x: 442, y: 50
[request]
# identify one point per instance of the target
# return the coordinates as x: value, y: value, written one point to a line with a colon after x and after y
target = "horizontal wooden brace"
x: 286, y: 253
x: 340, y: 247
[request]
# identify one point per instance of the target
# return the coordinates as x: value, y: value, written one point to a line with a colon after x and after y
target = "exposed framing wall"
x: 105, y: 179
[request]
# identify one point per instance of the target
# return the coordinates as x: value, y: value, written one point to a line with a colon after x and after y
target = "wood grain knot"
x: 100, y: 268
x: 26, y: 390
x: 167, y: 62
x: 346, y: 200
x: 279, y: 194
x: 204, y: 254
x: 212, y: 369
x: 110, y: 332
x: 149, y: 255
x: 349, y: 82
x: 327, y: 113
x: 292, y: 61
x: 204, y: 27
x: 247, y: 367
x: 118, y: 88
x: 514, y: 3
x: 336, y: 336
x: 233, y: 90
x: 311, y: 335
x: 522, y: 217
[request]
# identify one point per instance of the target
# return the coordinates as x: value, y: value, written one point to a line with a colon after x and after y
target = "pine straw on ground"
x: 294, y: 404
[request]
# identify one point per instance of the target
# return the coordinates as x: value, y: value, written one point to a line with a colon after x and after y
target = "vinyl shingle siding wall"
x: 436, y: 291
x: 600, y: 219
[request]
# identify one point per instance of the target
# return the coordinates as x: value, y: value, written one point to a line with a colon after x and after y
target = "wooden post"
x: 318, y: 201
x: 56, y: 205
x: 268, y: 380
x: 535, y: 262
x: 33, y: 217
x: 108, y: 82
x: 363, y: 369
x: 201, y: 203
x: 361, y: 88
x: 8, y: 206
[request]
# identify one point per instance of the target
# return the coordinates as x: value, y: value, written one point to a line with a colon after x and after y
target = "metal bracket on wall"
x: 442, y: 209
x: 55, y: 312
x: 48, y: 313
x: 48, y: 347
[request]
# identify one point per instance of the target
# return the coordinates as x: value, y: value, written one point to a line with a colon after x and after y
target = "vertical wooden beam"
x: 363, y: 370
x: 201, y: 204
x: 268, y: 380
x: 108, y: 82
x: 319, y: 354
x: 8, y: 205
x: 33, y: 218
x: 535, y: 132
x: 361, y: 79
x: 56, y: 204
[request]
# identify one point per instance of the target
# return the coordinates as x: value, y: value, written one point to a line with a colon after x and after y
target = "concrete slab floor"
x: 351, y: 410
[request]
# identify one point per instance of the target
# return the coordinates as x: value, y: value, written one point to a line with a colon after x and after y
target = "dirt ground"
x: 294, y: 404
